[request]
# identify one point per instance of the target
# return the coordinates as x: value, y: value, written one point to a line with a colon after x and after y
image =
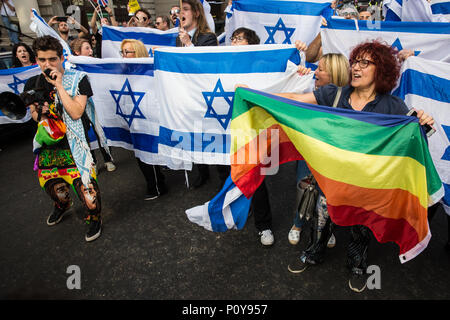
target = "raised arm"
x: 314, y: 51
x: 112, y: 17
x: 301, y: 97
x: 93, y: 22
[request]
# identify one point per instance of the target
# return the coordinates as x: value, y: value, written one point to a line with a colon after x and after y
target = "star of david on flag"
x: 219, y: 92
x: 126, y: 90
x: 397, y: 44
x: 15, y: 84
x: 280, y: 26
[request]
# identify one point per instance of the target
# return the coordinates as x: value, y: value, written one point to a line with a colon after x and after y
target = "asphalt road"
x: 150, y: 250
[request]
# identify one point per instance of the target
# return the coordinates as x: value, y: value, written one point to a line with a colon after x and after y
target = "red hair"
x: 387, y: 69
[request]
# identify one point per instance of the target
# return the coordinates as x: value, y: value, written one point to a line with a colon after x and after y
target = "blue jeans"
x: 12, y: 35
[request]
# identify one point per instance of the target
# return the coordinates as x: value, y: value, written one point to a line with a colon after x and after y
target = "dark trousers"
x: 223, y: 171
x: 321, y: 228
x: 261, y: 208
x: 105, y: 155
x: 153, y: 176
x: 432, y: 212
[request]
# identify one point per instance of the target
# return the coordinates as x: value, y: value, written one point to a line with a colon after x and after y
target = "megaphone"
x: 12, y: 106
x: 15, y: 106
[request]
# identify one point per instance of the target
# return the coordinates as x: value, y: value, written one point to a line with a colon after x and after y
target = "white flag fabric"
x: 278, y: 22
x: 125, y: 104
x: 41, y: 28
x: 425, y: 84
x: 195, y: 89
x: 227, y: 210
x: 112, y: 38
x: 208, y: 16
x: 441, y: 8
x: 428, y: 40
x: 13, y: 80
x: 417, y: 10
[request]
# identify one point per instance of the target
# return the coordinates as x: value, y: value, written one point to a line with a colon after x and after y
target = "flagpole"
x: 179, y: 26
x: 95, y: 8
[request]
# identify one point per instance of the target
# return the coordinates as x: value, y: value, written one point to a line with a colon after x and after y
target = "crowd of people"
x: 361, y: 83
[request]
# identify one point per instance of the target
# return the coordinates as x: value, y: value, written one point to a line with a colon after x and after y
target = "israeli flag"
x: 441, y: 8
x: 417, y: 10
x: 13, y: 80
x: 41, y: 28
x: 425, y: 85
x: 208, y: 16
x: 195, y: 89
x: 428, y: 40
x: 227, y: 210
x: 277, y: 22
x: 112, y: 38
x: 125, y: 103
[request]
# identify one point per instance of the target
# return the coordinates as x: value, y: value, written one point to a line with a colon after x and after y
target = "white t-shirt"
x: 6, y: 11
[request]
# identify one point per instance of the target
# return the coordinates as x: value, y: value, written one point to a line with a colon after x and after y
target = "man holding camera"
x: 64, y: 28
x: 60, y: 104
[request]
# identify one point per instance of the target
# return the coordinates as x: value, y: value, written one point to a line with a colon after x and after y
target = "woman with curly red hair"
x: 374, y: 71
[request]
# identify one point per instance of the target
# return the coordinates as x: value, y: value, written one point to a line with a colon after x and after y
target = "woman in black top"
x: 374, y: 72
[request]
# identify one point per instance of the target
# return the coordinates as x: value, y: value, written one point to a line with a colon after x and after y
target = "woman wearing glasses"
x: 374, y: 71
x: 156, y: 187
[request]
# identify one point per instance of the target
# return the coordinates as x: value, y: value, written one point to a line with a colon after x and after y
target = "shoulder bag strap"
x: 338, y: 96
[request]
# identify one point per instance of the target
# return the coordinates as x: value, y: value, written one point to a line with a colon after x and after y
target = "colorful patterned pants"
x: 58, y: 172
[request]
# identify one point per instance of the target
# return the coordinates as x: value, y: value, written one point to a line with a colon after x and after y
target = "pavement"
x: 149, y: 250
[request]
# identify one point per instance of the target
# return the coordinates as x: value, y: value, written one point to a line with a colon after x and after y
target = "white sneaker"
x: 110, y: 166
x: 332, y: 242
x: 294, y: 236
x: 267, y: 238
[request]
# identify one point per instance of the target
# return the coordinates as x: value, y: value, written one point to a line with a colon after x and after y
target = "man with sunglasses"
x: 175, y: 15
x: 162, y: 23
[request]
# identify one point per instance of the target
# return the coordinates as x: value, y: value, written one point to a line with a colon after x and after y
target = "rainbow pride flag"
x: 374, y: 169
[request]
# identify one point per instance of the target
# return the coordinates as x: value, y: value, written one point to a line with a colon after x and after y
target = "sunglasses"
x: 175, y: 11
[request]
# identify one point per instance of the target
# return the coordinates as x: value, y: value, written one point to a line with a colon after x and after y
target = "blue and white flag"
x: 392, y: 10
x: 41, y: 28
x: 13, y: 80
x: 195, y: 89
x: 278, y: 22
x: 428, y: 40
x: 425, y: 85
x: 125, y: 103
x: 112, y: 38
x: 208, y: 16
x: 416, y: 10
x: 441, y: 9
x: 227, y: 210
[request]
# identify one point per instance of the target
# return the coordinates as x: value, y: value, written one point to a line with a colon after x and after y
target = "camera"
x: 32, y: 96
x: 61, y: 19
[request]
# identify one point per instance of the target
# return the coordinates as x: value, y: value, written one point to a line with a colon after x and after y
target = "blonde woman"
x: 156, y: 187
x: 131, y: 48
x: 333, y: 68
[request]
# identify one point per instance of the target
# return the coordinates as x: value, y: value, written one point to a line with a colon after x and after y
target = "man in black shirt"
x: 61, y: 141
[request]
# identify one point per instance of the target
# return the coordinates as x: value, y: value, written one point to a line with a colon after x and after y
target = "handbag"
x: 307, y: 194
